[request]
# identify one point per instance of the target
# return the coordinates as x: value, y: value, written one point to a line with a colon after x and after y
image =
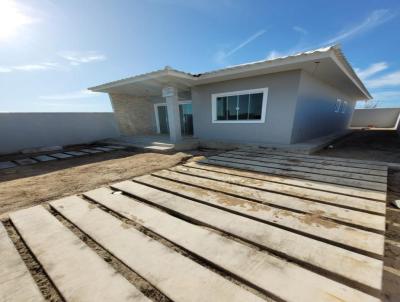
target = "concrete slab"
x: 333, y: 232
x: 75, y: 269
x: 16, y: 283
x: 105, y: 149
x: 260, y: 173
x: 266, y: 271
x: 7, y: 164
x: 279, y: 170
x: 44, y: 158
x: 116, y: 147
x: 91, y: 151
x: 26, y: 161
x: 289, y: 202
x: 330, y: 258
x: 328, y: 197
x: 177, y: 276
x: 60, y: 155
x: 76, y: 153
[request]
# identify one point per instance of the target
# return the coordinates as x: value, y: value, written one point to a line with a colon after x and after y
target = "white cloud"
x: 74, y: 58
x: 30, y: 67
x: 371, y: 70
x: 376, y: 18
x: 300, y: 30
x: 389, y: 95
x: 221, y: 55
x: 389, y: 79
x: 5, y: 69
x: 78, y: 57
x: 80, y: 94
x: 274, y: 54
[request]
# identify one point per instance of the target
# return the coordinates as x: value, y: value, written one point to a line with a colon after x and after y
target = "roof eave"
x: 349, y: 71
x: 152, y: 75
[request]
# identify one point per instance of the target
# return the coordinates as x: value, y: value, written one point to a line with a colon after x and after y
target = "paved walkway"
x: 246, y: 225
x: 31, y: 160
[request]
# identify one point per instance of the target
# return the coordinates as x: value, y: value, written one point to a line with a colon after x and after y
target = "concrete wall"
x: 135, y: 115
x: 377, y: 118
x: 31, y: 130
x: 315, y: 110
x: 277, y: 128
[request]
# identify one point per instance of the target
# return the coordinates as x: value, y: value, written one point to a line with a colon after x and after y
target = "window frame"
x: 214, y: 97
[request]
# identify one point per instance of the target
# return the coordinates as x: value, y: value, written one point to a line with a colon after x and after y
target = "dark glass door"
x: 186, y: 116
x: 163, y: 119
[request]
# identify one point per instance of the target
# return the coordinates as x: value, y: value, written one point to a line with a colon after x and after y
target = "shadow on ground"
x: 367, y: 145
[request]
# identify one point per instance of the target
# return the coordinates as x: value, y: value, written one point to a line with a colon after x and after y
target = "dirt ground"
x: 25, y: 186
x: 379, y: 146
x: 391, y: 272
x: 367, y: 145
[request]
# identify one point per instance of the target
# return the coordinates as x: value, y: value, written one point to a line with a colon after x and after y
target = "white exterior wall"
x: 281, y: 102
x: 376, y: 118
x: 315, y: 114
x: 32, y: 130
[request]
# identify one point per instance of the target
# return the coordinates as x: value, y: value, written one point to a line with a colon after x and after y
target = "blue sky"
x: 52, y: 50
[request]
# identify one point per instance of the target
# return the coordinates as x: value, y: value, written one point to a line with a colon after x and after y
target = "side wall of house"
x: 281, y: 102
x: 135, y: 115
x: 315, y: 114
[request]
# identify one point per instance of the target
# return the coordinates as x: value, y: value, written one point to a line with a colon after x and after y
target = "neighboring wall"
x: 135, y: 115
x: 30, y: 130
x: 282, y: 94
x: 376, y: 118
x: 315, y: 110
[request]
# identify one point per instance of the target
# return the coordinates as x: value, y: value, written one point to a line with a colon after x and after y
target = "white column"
x: 171, y: 96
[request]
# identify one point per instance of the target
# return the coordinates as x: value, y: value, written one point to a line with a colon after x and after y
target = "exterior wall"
x: 32, y: 130
x: 315, y: 110
x: 281, y: 102
x: 135, y: 115
x: 376, y: 118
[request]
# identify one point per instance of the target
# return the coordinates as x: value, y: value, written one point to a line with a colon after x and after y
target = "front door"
x: 163, y: 119
x: 186, y: 117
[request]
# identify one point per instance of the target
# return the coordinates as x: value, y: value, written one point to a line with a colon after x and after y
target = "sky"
x: 51, y: 51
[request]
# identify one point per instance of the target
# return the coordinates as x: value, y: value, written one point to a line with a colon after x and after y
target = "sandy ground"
x: 30, y: 185
x: 391, y: 273
x: 367, y: 145
x: 25, y: 186
x: 379, y: 146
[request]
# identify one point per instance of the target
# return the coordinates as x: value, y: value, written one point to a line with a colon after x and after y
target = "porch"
x: 153, y: 109
x: 157, y: 142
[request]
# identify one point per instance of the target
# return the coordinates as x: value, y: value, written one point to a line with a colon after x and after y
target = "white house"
x: 283, y: 101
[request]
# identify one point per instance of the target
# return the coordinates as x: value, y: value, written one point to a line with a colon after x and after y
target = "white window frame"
x: 338, y: 105
x: 214, y: 97
x: 156, y: 105
x: 344, y: 107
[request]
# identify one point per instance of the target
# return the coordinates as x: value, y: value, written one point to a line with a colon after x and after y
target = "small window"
x: 344, y: 107
x: 240, y: 107
x: 338, y: 105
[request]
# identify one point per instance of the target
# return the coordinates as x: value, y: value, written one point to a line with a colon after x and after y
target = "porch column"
x: 171, y: 96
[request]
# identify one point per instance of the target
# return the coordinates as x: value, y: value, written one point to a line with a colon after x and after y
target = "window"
x: 338, y: 105
x: 247, y: 106
x: 344, y: 107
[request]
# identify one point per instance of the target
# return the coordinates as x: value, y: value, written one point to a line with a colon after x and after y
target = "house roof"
x: 328, y: 63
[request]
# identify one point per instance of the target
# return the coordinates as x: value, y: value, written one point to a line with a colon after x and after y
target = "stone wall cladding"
x: 135, y: 115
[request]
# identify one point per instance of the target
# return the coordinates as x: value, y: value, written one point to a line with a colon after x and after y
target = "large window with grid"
x: 247, y: 106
